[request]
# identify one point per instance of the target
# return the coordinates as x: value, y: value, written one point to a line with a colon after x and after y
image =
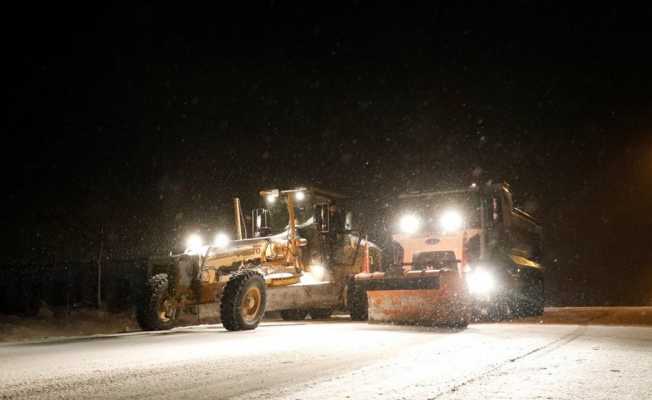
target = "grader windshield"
x: 275, y: 217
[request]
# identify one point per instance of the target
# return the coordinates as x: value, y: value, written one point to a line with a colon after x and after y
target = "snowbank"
x: 594, y: 316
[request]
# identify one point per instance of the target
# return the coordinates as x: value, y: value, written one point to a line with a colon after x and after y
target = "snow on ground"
x: 324, y: 360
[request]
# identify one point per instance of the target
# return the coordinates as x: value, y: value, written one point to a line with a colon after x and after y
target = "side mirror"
x: 496, y: 210
x: 348, y: 221
x: 398, y: 254
x: 322, y: 218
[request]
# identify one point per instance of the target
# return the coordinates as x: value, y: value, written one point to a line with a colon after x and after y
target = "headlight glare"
x: 409, y: 223
x: 480, y: 282
x: 451, y: 221
x: 221, y: 240
x: 194, y: 243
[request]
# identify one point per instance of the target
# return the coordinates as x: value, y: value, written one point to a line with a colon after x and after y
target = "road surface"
x: 338, y: 360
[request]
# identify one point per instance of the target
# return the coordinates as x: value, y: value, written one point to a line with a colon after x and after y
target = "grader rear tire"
x: 294, y: 315
x: 321, y: 313
x: 156, y: 311
x: 243, y: 301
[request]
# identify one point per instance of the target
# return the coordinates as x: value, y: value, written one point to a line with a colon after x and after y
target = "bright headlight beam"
x: 299, y: 196
x: 480, y: 282
x: 451, y: 221
x: 318, y: 271
x: 194, y: 242
x: 409, y: 223
x: 271, y: 198
x: 222, y: 240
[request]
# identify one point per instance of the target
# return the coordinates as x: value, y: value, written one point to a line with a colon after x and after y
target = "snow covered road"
x: 339, y: 360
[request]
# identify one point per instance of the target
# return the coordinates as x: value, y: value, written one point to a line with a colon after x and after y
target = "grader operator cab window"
x: 274, y: 217
x: 329, y: 218
x: 261, y: 222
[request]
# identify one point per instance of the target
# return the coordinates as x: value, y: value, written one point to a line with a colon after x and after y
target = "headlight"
x: 194, y: 243
x: 299, y: 196
x: 318, y: 272
x: 480, y: 282
x: 271, y: 198
x: 409, y: 223
x: 451, y: 221
x: 221, y: 240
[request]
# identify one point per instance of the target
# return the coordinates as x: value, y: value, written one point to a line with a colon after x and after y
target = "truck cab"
x: 478, y: 232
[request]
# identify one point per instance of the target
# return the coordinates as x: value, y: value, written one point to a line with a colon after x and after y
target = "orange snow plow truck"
x: 455, y: 254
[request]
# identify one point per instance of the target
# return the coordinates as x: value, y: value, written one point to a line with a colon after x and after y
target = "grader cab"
x: 298, y: 257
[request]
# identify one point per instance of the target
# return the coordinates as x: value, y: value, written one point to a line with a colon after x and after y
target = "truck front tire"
x: 538, y: 298
x: 357, y: 301
x: 530, y: 299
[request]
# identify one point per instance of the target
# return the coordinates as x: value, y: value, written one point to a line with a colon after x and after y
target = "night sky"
x: 144, y: 122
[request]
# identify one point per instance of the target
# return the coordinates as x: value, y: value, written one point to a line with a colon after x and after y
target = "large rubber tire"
x: 321, y: 313
x: 500, y: 308
x: 538, y: 298
x: 358, y: 303
x: 243, y: 301
x: 530, y: 299
x: 461, y: 317
x: 294, y: 315
x: 149, y: 311
x: 460, y: 323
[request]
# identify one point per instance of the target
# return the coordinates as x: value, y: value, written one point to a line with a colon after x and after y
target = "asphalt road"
x: 338, y: 360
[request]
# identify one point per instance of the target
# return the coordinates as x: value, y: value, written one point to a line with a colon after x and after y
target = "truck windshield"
x: 430, y: 207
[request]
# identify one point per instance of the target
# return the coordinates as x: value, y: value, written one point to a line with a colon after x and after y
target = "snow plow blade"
x: 432, y: 298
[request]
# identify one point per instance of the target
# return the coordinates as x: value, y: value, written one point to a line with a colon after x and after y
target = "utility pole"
x: 99, y: 269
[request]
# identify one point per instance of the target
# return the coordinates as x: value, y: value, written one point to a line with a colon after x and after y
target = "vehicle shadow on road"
x: 427, y: 329
x: 182, y: 330
x: 94, y: 338
x: 219, y: 329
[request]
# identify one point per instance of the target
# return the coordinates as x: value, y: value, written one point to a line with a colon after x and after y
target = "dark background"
x: 143, y: 122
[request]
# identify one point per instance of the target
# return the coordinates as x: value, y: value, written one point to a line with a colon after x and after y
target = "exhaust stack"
x: 238, y: 220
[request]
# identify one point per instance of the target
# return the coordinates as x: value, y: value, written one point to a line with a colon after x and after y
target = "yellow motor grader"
x: 299, y: 259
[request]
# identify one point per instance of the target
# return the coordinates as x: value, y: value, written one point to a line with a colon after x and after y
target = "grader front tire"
x: 156, y: 311
x: 243, y: 301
